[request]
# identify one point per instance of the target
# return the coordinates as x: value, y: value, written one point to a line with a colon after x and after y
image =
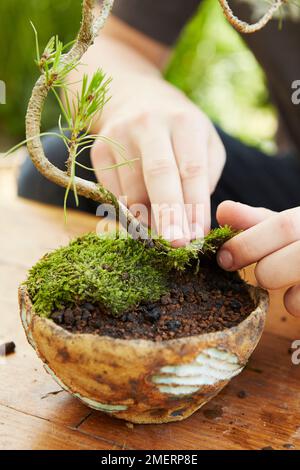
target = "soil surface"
x: 209, y: 301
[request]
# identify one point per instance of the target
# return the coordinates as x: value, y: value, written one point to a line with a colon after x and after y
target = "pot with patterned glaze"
x: 140, y: 380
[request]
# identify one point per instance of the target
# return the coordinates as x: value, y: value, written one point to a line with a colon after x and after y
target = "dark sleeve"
x: 162, y: 20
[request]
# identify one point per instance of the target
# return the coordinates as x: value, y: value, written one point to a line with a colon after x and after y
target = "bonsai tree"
x: 89, y: 269
x: 101, y: 293
x: 76, y: 117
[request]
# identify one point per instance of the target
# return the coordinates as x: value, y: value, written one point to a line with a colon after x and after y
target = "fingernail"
x: 225, y: 259
x: 173, y: 232
x: 196, y: 231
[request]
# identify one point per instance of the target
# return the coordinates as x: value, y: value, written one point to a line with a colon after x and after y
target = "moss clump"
x: 216, y: 238
x: 118, y: 272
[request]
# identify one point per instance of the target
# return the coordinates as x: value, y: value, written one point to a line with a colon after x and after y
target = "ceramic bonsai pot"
x: 142, y: 381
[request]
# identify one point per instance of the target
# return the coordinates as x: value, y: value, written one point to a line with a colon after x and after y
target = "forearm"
x: 123, y: 54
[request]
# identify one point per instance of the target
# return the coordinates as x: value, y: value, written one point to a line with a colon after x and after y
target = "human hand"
x: 181, y: 156
x: 270, y: 239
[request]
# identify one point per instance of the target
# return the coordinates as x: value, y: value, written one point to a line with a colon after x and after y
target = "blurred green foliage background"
x: 210, y: 63
x: 17, y: 54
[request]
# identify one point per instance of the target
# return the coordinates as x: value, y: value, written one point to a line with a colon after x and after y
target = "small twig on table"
x: 7, y: 348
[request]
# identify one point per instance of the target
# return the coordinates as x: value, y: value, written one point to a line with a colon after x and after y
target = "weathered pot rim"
x: 259, y: 295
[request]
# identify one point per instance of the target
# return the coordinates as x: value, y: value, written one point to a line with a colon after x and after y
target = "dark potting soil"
x: 209, y: 301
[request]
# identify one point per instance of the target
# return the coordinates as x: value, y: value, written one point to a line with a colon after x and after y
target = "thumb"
x: 241, y: 216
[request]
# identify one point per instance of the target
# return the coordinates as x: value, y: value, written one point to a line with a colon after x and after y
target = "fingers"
x: 181, y: 161
x: 102, y: 157
x: 125, y: 180
x: 190, y: 143
x: 261, y: 240
x: 131, y: 175
x: 292, y: 300
x: 162, y: 181
x: 241, y: 216
x: 279, y: 269
x: 272, y: 240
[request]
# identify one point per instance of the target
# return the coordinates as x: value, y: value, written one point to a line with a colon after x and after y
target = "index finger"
x: 190, y: 142
x: 260, y: 240
x: 163, y: 184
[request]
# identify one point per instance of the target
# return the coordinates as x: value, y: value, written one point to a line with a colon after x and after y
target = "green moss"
x: 118, y: 273
x: 216, y: 238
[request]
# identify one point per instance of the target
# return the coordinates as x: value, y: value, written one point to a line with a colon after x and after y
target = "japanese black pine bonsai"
x: 156, y: 256
x: 124, y: 288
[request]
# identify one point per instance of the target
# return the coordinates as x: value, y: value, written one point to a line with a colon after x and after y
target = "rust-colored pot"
x: 139, y: 380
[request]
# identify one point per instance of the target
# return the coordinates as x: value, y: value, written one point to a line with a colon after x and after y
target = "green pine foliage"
x: 117, y: 273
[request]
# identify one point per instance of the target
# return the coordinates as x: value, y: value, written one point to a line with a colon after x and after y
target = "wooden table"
x: 36, y: 414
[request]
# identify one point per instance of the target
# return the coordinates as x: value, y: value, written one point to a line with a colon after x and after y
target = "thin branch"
x: 243, y: 26
x: 90, y: 27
